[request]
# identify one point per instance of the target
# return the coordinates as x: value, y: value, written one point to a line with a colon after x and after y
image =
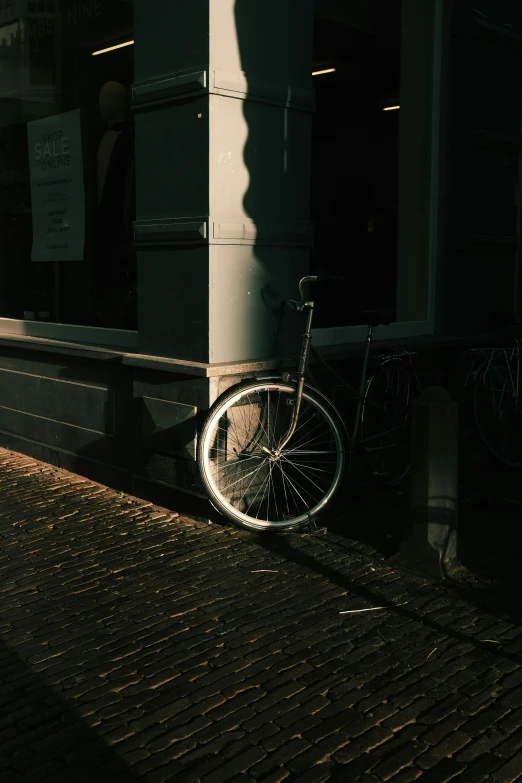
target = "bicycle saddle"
x: 377, y: 317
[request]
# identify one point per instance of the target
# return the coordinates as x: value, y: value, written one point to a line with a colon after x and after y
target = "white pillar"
x: 223, y: 103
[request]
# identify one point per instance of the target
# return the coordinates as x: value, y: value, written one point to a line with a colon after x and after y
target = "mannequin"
x: 113, y: 109
x: 114, y: 261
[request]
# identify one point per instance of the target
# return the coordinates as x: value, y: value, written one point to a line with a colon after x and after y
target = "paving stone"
x: 272, y: 714
x: 447, y: 770
x: 444, y: 727
x: 512, y: 698
x: 358, y: 726
x: 364, y: 744
x: 398, y: 760
x: 317, y: 774
x: 241, y: 763
x: 485, y: 719
x: 513, y: 680
x: 281, y: 757
x: 480, y: 771
x: 407, y: 775
x: 162, y: 714
x: 451, y: 744
x: 484, y: 743
x: 220, y: 675
x: 218, y: 746
x: 228, y: 706
x: 480, y: 701
x: 511, y: 770
x: 441, y: 709
x: 303, y: 712
x: 277, y: 776
x: 342, y: 720
x: 400, y: 718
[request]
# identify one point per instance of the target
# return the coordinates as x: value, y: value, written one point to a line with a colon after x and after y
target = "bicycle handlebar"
x: 320, y: 277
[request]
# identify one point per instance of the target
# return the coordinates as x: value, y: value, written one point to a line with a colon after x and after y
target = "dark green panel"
x: 167, y: 408
x: 78, y: 405
x: 33, y: 427
x: 172, y: 164
x: 169, y: 427
x: 173, y: 305
x: 182, y: 474
x: 71, y: 405
x: 486, y: 73
x: 483, y: 192
x: 481, y: 284
x: 170, y: 35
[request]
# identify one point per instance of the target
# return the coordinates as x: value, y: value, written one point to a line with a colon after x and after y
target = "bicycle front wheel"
x: 386, y: 422
x: 498, y: 410
x: 246, y: 481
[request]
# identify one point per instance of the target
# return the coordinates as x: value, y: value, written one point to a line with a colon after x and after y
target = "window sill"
x: 202, y: 370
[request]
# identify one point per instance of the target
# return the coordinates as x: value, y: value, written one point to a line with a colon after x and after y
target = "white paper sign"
x: 57, y: 188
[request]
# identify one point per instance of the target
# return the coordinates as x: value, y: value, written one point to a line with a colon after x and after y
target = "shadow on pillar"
x: 269, y: 156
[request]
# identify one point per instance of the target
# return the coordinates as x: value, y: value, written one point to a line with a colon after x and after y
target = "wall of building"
x: 119, y: 422
x: 223, y: 169
x: 222, y: 230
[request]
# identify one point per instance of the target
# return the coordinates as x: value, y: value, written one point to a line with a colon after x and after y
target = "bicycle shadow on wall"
x: 277, y: 182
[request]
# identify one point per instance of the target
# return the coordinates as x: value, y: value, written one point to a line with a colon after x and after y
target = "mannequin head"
x: 113, y: 102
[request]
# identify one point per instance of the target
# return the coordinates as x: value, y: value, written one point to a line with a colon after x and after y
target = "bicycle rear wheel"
x: 386, y: 422
x: 243, y: 478
x: 498, y: 410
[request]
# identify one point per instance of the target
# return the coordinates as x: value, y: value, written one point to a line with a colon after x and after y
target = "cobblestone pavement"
x: 138, y: 645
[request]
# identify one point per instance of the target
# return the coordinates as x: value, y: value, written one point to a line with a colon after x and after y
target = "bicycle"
x: 497, y: 399
x: 272, y: 451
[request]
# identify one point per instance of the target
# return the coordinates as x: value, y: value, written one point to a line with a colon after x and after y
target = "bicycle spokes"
x: 255, y: 475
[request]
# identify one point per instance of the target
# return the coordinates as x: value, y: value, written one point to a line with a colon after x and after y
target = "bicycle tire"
x: 272, y: 495
x: 505, y: 422
x: 395, y: 471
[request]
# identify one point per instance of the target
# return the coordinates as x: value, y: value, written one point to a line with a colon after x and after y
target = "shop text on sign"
x: 58, y: 222
x: 73, y: 16
x: 57, y: 187
x: 54, y: 151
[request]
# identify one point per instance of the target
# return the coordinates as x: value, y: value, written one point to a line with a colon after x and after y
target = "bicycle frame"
x: 514, y: 379
x: 303, y: 358
x: 308, y: 306
x: 244, y: 440
x: 488, y: 354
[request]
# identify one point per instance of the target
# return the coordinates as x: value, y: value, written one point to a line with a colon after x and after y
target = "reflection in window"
x: 355, y: 154
x: 67, y: 192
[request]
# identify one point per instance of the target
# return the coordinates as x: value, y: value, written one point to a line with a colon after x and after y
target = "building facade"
x: 169, y: 169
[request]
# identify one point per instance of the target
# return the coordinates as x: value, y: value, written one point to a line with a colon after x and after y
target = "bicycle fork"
x: 301, y: 372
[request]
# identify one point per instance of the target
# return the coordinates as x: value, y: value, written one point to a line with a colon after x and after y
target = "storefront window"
x: 355, y: 172
x: 374, y: 162
x: 67, y: 185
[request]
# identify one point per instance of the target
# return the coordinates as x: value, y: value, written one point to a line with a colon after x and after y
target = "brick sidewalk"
x: 137, y: 645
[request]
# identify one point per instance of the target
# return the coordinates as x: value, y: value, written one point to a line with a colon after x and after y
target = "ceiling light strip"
x: 112, y: 48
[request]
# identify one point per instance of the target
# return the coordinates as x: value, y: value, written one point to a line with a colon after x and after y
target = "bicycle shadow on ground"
x: 42, y: 734
x: 505, y: 610
x: 489, y: 526
x: 369, y: 514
